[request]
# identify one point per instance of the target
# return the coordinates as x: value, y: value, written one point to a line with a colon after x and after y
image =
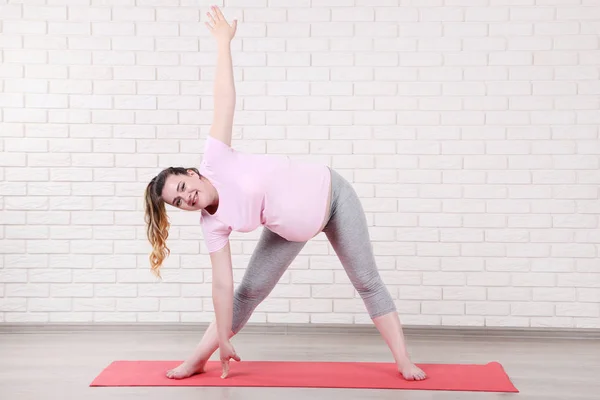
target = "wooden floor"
x: 32, y: 365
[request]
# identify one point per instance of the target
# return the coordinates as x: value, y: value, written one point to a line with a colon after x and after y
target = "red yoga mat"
x: 357, y: 375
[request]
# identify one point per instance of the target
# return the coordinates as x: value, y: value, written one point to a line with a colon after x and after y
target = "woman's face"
x: 188, y: 192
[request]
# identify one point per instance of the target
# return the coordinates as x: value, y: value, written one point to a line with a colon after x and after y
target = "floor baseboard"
x: 306, y: 329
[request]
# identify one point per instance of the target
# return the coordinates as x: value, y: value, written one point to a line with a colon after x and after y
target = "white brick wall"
x: 469, y: 129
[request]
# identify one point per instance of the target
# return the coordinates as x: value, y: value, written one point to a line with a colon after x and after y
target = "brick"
x: 100, y: 305
x: 523, y: 250
x: 464, y: 293
x: 26, y: 290
x: 120, y: 57
x: 70, y: 261
x: 93, y: 276
x: 331, y: 318
x: 507, y: 206
x: 104, y: 316
x: 139, y: 304
x: 590, y: 58
x: 353, y: 73
x: 577, y: 13
x: 13, y: 304
x: 421, y: 320
x: 49, y: 276
x: 444, y: 278
x: 27, y: 317
x: 341, y: 306
x: 440, y: 191
x: 587, y: 322
x: 353, y: 14
x: 532, y: 13
x: 44, y: 13
x: 487, y: 308
x: 461, y: 235
x: 532, y: 309
x: 533, y: 73
x: 509, y: 294
x: 462, y: 177
x: 555, y: 57
x: 14, y: 275
x: 24, y: 27
x: 443, y: 307
x: 436, y: 103
x: 533, y: 279
x: 419, y: 293
x: 441, y: 220
x: 22, y: 86
x: 312, y: 277
x: 43, y: 218
x: 574, y: 221
x: 462, y: 264
x: 311, y: 305
x: 583, y: 280
x: 554, y: 294
x: 178, y: 304
x: 395, y: 219
x: 463, y: 321
x: 559, y: 322
x: 288, y: 318
x: 163, y: 290
x: 488, y: 279
x: 11, y: 11
x: 37, y: 304
x: 417, y: 234
x: 587, y: 295
x: 12, y: 71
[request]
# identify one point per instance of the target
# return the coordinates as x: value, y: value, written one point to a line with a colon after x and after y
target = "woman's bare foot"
x: 391, y: 329
x: 196, y: 362
x: 411, y: 372
x: 186, y: 369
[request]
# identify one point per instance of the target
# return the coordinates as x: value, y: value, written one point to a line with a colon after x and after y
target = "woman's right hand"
x: 219, y: 27
x: 227, y: 352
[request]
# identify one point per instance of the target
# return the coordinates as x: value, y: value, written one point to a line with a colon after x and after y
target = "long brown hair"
x: 157, y: 221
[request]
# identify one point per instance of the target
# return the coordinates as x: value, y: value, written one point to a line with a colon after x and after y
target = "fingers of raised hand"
x: 218, y: 13
x: 216, y: 16
x: 211, y: 18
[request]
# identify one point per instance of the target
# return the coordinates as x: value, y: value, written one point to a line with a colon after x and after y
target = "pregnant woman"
x: 293, y: 201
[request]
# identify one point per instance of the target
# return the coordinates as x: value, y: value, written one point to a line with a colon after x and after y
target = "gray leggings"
x: 348, y: 234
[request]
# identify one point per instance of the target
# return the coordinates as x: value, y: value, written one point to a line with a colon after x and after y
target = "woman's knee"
x: 250, y: 291
x: 367, y: 282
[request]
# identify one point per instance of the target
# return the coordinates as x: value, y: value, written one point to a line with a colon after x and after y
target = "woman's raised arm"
x: 224, y: 87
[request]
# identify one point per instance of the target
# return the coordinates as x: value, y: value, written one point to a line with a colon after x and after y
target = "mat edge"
x: 498, y: 365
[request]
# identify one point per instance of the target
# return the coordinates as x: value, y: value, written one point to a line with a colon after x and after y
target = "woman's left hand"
x: 219, y: 27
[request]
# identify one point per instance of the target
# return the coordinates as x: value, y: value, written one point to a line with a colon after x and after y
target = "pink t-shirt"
x: 287, y: 196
